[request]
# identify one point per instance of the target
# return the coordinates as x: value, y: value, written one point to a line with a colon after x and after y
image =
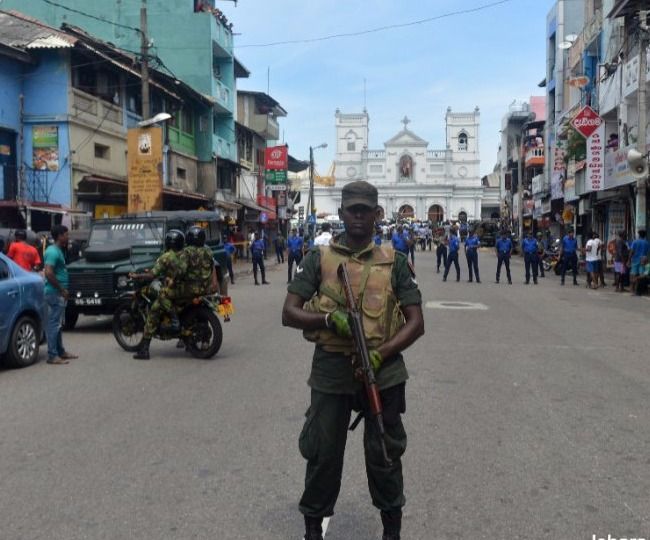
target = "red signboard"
x: 586, y: 121
x: 267, y: 202
x: 276, y: 158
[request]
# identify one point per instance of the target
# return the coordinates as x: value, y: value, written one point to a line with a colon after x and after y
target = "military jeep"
x: 131, y: 243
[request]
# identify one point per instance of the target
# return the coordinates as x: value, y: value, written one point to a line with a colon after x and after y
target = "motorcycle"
x: 200, y: 329
x: 551, y: 257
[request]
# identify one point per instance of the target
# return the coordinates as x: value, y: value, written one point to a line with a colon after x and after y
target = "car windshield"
x: 132, y: 234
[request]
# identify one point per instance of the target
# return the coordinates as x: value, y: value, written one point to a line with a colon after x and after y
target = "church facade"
x: 412, y: 180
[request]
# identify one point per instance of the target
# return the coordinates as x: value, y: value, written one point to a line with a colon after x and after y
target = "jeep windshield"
x: 148, y: 233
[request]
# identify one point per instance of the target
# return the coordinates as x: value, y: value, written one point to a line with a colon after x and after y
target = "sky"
x: 487, y: 59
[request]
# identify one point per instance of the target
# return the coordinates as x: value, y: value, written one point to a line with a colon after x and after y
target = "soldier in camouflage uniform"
x: 169, y: 268
x: 199, y: 262
x: 390, y: 303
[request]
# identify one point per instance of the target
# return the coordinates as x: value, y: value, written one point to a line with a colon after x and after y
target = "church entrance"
x: 436, y: 214
x: 406, y: 211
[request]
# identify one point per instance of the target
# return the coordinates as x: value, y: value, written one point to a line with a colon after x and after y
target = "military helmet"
x: 174, y: 239
x: 195, y: 236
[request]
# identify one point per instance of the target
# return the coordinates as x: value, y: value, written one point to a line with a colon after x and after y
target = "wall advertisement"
x: 45, y: 148
x: 595, y: 180
x: 558, y: 173
x: 144, y: 166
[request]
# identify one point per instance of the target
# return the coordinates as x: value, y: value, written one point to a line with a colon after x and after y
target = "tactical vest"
x: 199, y: 266
x: 370, y: 277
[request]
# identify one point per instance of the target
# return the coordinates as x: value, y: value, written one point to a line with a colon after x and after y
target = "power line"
x: 378, y: 29
x: 83, y: 13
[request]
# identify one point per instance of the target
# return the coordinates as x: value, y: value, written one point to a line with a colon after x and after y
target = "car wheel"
x: 23, y: 344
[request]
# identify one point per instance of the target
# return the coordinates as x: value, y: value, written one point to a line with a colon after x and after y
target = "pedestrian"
x: 569, y: 256
x: 592, y: 256
x: 56, y: 295
x: 621, y: 257
x: 411, y: 241
x: 452, y: 255
x: 169, y: 268
x: 295, y: 246
x: 531, y: 262
x: 503, y: 247
x: 230, y: 249
x: 323, y: 239
x: 378, y: 238
x: 472, y: 243
x: 441, y: 252
x: 257, y: 255
x: 640, y: 248
x: 280, y: 245
x: 399, y: 240
x: 335, y: 391
x: 541, y: 250
x: 23, y: 254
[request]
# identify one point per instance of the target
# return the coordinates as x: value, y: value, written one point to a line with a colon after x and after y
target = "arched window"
x: 462, y: 141
x: 351, y: 138
x: 436, y: 214
x: 406, y: 211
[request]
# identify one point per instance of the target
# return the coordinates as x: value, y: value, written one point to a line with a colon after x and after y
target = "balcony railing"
x: 223, y: 95
x: 436, y: 154
x: 534, y: 157
x: 266, y: 126
x: 225, y: 149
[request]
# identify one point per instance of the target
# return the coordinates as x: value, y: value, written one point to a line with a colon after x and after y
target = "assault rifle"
x: 368, y: 375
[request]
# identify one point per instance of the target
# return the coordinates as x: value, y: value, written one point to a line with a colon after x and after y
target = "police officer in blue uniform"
x: 503, y: 248
x: 295, y: 246
x: 472, y: 244
x: 569, y: 256
x: 452, y: 256
x: 529, y: 245
x: 258, y: 248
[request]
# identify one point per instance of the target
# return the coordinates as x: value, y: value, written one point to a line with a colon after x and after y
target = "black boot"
x: 143, y: 352
x: 392, y: 522
x: 313, y: 528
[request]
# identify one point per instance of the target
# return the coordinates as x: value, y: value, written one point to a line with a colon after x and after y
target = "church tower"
x: 462, y: 131
x: 351, y: 141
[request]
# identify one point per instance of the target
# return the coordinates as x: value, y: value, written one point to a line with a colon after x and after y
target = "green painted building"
x: 190, y: 39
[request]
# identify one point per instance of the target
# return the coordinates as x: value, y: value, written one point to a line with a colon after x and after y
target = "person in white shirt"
x: 592, y: 255
x: 323, y: 239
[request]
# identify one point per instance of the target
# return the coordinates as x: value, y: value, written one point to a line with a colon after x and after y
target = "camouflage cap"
x: 359, y: 193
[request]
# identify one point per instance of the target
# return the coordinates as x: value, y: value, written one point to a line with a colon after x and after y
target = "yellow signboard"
x: 109, y: 210
x: 145, y: 169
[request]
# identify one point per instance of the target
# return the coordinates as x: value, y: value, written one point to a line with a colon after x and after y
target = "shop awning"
x: 252, y: 205
x: 42, y: 207
x: 227, y: 205
x: 185, y: 194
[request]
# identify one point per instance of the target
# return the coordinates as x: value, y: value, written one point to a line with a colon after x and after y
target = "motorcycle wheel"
x: 128, y: 327
x: 547, y: 266
x: 206, y: 333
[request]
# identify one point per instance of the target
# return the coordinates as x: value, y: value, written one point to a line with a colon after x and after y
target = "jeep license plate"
x: 88, y: 301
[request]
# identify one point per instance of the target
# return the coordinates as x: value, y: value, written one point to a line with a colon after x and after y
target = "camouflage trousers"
x: 162, y: 306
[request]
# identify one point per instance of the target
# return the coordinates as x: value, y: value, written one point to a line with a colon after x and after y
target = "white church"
x: 412, y: 180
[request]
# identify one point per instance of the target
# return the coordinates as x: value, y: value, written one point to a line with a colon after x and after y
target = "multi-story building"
x: 68, y: 100
x: 192, y: 41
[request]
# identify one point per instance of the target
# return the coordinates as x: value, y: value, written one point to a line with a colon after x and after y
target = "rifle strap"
x: 356, y: 422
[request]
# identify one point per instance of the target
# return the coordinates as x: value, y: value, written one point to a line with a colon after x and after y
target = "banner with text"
x: 595, y: 180
x: 144, y: 166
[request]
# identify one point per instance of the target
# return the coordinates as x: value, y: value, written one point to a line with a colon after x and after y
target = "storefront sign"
x: 45, y: 148
x: 276, y: 158
x: 281, y: 198
x: 277, y: 187
x: 144, y: 165
x: 587, y: 121
x: 275, y: 177
x: 538, y: 183
x: 617, y: 169
x: 267, y: 202
x: 596, y: 160
x: 570, y: 181
x: 557, y: 177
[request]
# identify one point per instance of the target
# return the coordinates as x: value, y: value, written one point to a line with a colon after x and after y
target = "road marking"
x: 448, y: 304
x: 326, y: 522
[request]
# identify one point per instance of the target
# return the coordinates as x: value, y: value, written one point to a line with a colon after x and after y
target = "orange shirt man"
x: 23, y: 254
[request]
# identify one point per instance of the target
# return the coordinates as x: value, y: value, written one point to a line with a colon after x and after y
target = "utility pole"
x: 310, y: 199
x: 643, y: 118
x: 144, y: 61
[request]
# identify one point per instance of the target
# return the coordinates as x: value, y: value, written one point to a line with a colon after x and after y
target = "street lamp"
x: 311, y: 207
x: 160, y: 117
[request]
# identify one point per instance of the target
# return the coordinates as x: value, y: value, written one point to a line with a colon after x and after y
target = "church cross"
x: 406, y: 121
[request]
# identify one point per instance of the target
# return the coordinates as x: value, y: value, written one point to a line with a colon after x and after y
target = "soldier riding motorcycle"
x: 171, y: 307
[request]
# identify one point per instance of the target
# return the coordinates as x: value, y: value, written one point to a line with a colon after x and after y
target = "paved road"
x: 527, y: 418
